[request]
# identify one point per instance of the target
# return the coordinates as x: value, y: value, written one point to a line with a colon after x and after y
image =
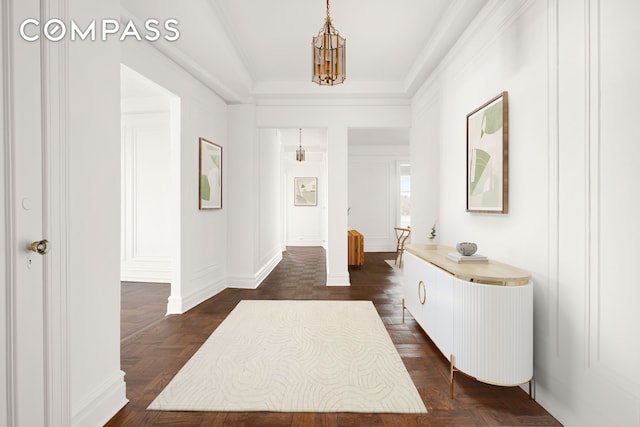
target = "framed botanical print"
x: 305, y: 191
x: 210, y: 187
x: 487, y: 157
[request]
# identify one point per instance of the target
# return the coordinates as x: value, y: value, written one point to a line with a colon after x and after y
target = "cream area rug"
x: 295, y: 356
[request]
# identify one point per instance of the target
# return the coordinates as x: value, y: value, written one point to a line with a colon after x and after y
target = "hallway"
x: 152, y: 356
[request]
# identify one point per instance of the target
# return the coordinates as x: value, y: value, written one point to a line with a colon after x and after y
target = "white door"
x: 27, y: 373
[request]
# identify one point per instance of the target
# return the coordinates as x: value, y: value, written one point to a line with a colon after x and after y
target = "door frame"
x: 55, y: 160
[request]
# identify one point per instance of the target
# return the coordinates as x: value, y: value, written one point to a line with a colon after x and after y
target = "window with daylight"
x: 404, y: 201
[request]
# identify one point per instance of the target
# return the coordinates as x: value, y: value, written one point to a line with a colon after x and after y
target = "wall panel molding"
x: 610, y: 370
x: 593, y: 83
x: 140, y: 261
x: 553, y: 289
x: 55, y: 61
x: 8, y: 332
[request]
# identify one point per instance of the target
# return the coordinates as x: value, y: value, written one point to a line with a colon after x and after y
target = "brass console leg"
x: 403, y: 311
x: 451, y: 371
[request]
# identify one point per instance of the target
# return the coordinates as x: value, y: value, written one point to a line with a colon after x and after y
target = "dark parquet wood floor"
x: 143, y: 304
x: 152, y: 356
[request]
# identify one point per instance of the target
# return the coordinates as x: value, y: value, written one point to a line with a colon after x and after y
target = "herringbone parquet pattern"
x: 154, y: 355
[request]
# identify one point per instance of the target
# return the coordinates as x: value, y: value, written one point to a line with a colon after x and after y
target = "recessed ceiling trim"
x: 390, y: 89
x: 190, y: 65
x: 222, y: 14
x: 457, y: 16
x: 246, y: 50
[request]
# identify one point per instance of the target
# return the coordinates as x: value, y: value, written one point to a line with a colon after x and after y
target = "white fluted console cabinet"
x: 480, y: 315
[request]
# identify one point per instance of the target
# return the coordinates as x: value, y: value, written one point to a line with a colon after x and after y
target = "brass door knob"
x: 40, y: 247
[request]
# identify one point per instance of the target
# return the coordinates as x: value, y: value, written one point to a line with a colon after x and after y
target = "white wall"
x: 96, y: 383
x: 242, y: 196
x: 304, y: 223
x: 146, y: 207
x: 336, y: 119
x: 573, y: 94
x: 374, y: 193
x: 270, y: 208
x: 201, y: 255
x: 254, y: 198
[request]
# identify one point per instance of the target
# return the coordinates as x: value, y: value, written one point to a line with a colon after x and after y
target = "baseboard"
x: 145, y: 278
x: 241, y: 282
x: 268, y: 268
x: 145, y: 271
x: 338, y: 280
x: 182, y: 304
x: 595, y: 400
x: 102, y: 404
x: 379, y: 247
x: 305, y: 243
x: 252, y: 282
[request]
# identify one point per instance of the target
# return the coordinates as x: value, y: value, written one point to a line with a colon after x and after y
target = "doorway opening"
x: 150, y: 117
x: 303, y: 223
x: 404, y: 199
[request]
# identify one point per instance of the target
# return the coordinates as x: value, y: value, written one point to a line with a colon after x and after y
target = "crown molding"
x: 192, y: 67
x: 458, y: 15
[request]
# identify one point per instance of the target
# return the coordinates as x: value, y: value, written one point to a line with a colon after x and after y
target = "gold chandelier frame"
x: 329, y: 55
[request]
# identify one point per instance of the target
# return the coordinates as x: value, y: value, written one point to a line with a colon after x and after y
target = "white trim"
x: 439, y: 43
x: 3, y: 247
x: 268, y: 268
x: 553, y: 190
x: 252, y: 282
x: 241, y: 282
x: 491, y: 22
x: 338, y: 280
x: 189, y: 65
x: 8, y: 333
x: 379, y: 246
x: 305, y: 243
x: 55, y: 90
x: 174, y: 304
x: 102, y: 403
x: 593, y: 179
x: 184, y: 303
x: 146, y: 271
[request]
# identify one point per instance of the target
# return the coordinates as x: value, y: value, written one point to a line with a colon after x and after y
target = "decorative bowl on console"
x: 466, y: 248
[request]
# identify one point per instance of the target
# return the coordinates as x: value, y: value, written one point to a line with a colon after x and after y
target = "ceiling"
x: 253, y: 49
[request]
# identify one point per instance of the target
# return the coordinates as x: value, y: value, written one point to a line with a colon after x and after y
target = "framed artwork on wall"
x: 210, y: 186
x: 305, y: 191
x: 487, y: 157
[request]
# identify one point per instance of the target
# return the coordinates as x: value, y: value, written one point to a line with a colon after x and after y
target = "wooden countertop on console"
x: 489, y: 273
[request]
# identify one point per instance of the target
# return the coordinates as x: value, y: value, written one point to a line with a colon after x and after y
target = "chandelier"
x: 329, y: 67
x: 300, y: 150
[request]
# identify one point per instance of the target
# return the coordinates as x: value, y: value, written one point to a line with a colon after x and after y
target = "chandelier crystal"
x: 329, y: 54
